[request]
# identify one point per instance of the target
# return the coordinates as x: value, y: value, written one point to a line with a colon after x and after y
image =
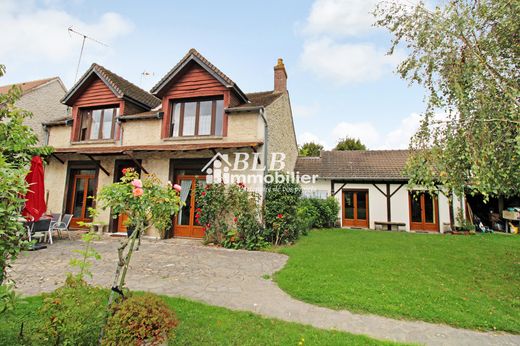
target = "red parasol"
x: 35, y: 204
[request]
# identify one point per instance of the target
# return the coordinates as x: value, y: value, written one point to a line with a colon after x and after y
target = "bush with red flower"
x: 230, y: 216
x: 282, y: 225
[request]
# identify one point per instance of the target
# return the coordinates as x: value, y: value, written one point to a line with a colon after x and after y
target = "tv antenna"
x: 85, y: 37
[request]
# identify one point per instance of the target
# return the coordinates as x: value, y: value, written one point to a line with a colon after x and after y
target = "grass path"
x: 465, y: 281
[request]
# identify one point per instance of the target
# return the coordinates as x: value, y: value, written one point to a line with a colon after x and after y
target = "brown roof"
x: 27, y: 86
x: 367, y: 165
x: 162, y: 147
x: 193, y: 54
x: 119, y: 86
x: 261, y: 99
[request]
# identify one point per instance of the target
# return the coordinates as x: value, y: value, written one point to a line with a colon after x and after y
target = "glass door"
x: 82, y: 185
x: 355, y: 208
x: 184, y: 222
x: 423, y: 212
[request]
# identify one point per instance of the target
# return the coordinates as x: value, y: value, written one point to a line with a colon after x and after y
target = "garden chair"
x: 43, y: 226
x: 63, y: 225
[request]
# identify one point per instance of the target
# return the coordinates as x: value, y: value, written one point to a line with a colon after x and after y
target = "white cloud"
x: 340, y: 17
x: 307, y: 137
x: 368, y: 134
x: 38, y: 34
x: 346, y: 63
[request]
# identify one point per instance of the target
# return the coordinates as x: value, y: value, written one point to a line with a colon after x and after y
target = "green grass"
x: 465, y: 281
x: 202, y: 324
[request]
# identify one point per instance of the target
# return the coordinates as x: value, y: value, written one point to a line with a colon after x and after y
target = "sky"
x: 341, y: 81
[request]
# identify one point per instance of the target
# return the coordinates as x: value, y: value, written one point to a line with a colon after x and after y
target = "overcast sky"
x: 341, y: 81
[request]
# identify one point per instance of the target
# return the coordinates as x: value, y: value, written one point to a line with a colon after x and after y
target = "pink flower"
x: 137, y: 192
x: 124, y: 171
x: 177, y: 187
x: 137, y: 183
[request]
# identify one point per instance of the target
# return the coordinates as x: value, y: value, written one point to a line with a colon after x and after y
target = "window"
x: 98, y: 123
x: 202, y: 117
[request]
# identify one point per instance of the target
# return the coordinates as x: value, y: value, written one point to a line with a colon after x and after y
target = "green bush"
x: 140, y: 320
x: 320, y: 213
x: 71, y: 315
x: 280, y: 212
x: 230, y: 216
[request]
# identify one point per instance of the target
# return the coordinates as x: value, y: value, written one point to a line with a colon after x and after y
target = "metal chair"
x: 63, y: 225
x: 44, y: 226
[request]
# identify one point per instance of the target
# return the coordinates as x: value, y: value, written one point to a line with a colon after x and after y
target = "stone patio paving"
x: 231, y: 279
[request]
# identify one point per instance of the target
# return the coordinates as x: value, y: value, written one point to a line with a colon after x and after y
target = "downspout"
x: 46, y: 135
x: 266, y: 142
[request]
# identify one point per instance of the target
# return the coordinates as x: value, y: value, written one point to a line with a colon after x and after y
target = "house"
x: 192, y: 114
x: 42, y: 98
x: 372, y: 190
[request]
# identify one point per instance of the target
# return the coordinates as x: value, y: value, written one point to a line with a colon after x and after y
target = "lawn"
x: 465, y: 281
x: 202, y: 324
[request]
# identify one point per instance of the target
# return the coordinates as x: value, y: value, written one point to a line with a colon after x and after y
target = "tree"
x: 349, y: 143
x: 18, y: 144
x: 310, y: 149
x: 466, y: 55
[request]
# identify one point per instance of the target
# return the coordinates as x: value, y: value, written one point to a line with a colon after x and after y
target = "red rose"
x: 235, y: 220
x: 124, y: 171
x: 198, y: 209
x: 279, y: 216
x: 203, y: 193
x: 197, y: 215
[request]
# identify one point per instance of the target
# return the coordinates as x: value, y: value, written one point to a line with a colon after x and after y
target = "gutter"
x: 157, y: 115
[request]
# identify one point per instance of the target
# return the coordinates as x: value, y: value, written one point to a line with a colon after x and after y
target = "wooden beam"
x: 138, y: 164
x: 338, y: 190
x: 57, y: 158
x: 388, y: 206
x: 97, y: 164
x: 398, y: 188
x: 377, y: 187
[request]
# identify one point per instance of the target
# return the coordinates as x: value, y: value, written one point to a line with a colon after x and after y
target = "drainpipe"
x: 46, y: 135
x: 266, y: 142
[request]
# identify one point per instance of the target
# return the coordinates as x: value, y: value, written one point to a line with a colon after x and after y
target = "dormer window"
x: 98, y: 123
x: 197, y: 117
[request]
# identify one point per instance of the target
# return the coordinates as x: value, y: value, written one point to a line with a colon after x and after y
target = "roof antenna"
x: 145, y: 74
x: 71, y: 30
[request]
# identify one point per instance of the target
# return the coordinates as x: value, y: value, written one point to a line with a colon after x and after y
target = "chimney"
x: 280, y: 77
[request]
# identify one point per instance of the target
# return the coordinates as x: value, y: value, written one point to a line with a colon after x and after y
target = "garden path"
x: 233, y: 279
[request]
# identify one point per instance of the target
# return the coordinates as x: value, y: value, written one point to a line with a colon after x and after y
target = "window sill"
x: 97, y: 141
x: 192, y: 138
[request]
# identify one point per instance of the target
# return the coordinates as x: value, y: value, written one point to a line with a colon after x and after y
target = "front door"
x: 423, y: 212
x: 184, y: 222
x: 83, y: 186
x: 355, y: 208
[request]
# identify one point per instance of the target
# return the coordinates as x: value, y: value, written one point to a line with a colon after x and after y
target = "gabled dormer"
x: 98, y: 98
x: 194, y: 96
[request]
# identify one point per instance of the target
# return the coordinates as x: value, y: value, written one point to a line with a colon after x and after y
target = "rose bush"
x: 230, y: 216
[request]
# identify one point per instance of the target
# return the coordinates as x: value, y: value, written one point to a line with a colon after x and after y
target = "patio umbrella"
x: 35, y: 197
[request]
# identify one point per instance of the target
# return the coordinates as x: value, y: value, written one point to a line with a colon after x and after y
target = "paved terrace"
x: 231, y: 279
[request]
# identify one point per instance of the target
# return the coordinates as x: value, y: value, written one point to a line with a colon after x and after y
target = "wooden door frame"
x: 74, y: 165
x: 355, y: 222
x: 191, y: 227
x: 423, y: 225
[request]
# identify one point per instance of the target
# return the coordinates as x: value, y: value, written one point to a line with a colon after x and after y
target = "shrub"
x: 140, y: 320
x: 280, y: 212
x: 71, y: 315
x: 230, y: 216
x: 322, y: 212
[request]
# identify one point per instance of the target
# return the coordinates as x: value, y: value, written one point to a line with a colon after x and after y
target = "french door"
x: 185, y: 224
x: 355, y: 208
x: 82, y: 186
x: 424, y: 211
